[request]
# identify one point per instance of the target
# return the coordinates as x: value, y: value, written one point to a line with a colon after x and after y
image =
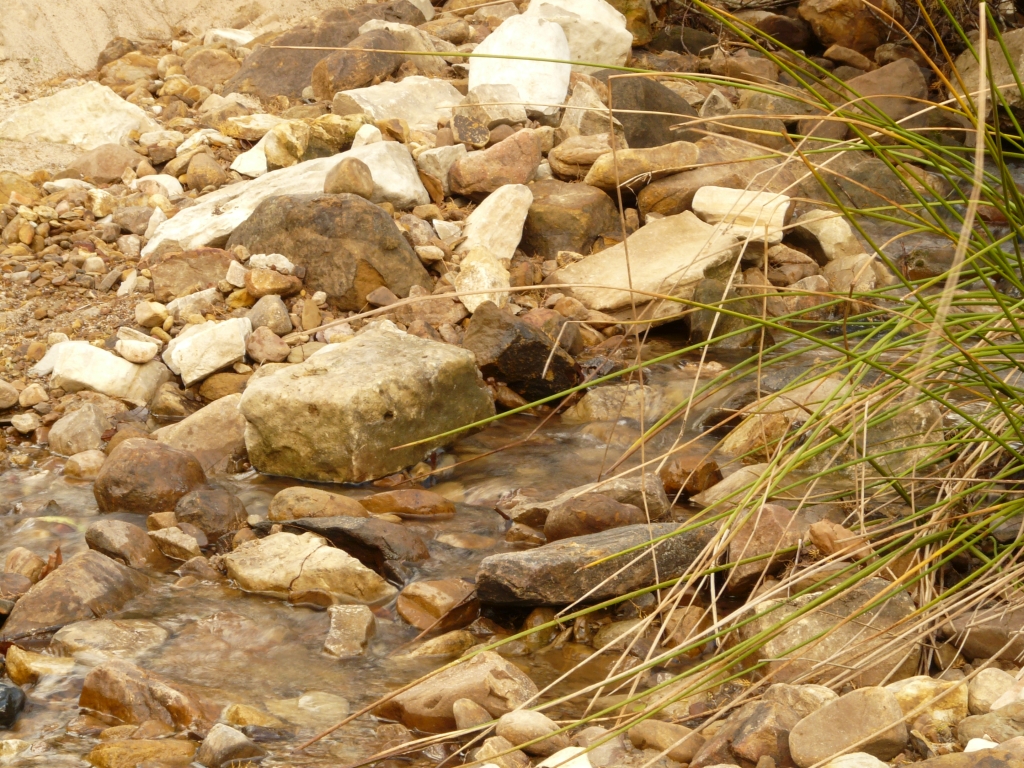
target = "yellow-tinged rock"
x: 27, y: 667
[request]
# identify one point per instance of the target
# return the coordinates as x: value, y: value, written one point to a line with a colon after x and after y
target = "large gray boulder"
x: 337, y: 416
x: 555, y: 574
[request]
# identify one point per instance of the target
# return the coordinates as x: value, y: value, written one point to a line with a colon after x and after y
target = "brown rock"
x: 681, y: 742
x: 440, y: 605
x: 178, y: 274
x: 489, y: 680
x: 850, y: 23
x: 86, y: 587
x: 568, y: 217
x: 267, y: 282
x: 211, y: 67
x: 690, y: 474
x: 129, y: 753
x: 204, y: 171
x: 350, y: 176
x: 348, y: 245
x: 765, y: 532
x: 589, y: 513
x: 24, y: 563
x: 573, y: 158
x: 347, y: 69
x: 106, y: 163
x: 11, y: 182
x: 125, y: 542
x: 409, y: 503
x: 214, y: 511
x: 512, y: 161
x: 271, y: 71
x: 146, y: 476
x: 223, y: 384
x: 120, y: 692
x: 297, y: 502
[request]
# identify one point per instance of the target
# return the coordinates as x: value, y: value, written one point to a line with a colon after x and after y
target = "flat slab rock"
x: 553, y: 575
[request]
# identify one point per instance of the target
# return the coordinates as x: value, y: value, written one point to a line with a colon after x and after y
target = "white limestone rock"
x: 77, y: 365
x: 596, y: 32
x: 214, y: 347
x: 87, y: 116
x: 668, y: 255
x: 542, y: 84
x: 418, y: 100
x: 759, y: 216
x: 481, y: 271
x: 497, y: 223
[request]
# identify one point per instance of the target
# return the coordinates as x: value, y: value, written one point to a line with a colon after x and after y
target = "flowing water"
x: 241, y: 648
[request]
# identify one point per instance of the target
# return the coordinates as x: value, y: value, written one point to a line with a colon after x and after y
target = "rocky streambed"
x: 254, y: 333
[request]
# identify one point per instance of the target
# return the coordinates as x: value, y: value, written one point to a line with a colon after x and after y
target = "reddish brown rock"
x: 409, y: 503
x: 146, y: 476
x: 441, y: 605
x: 512, y: 161
x: 590, y: 513
x: 178, y: 274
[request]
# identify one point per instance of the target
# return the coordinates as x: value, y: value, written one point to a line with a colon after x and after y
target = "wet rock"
x: 80, y: 430
x: 439, y: 605
x: 851, y: 719
x: 642, y: 491
x: 88, y: 116
x: 352, y: 626
x: 223, y: 744
x: 12, y: 702
x: 146, y: 476
x: 106, y: 163
x: 214, y: 435
x: 497, y: 223
x: 123, y: 693
x: 690, y: 475
x: 825, y: 236
x: 77, y: 365
x: 611, y: 403
x: 105, y: 639
x: 590, y: 513
x: 270, y: 70
x: 559, y: 329
x: 348, y: 245
x: 24, y: 563
x: 87, y: 586
x: 672, y: 255
x: 469, y: 714
x: 350, y: 176
x: 125, y: 542
x: 516, y: 353
x: 494, y: 683
x: 178, y: 274
x: 512, y: 161
x: 986, y: 688
x: 297, y: 502
x: 346, y: 69
x: 127, y: 753
x: 554, y: 574
x: 568, y: 217
x: 176, y: 544
x: 540, y: 83
x: 409, y: 503
x: 682, y: 743
x: 213, y: 511
x: 26, y: 667
x: 284, y: 564
x: 375, y: 543
x: 340, y: 427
